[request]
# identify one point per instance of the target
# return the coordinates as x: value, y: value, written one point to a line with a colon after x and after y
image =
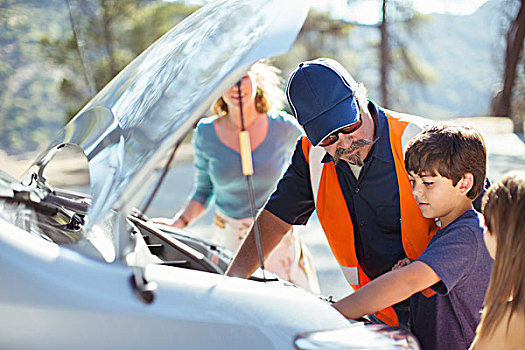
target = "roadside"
x: 506, y: 152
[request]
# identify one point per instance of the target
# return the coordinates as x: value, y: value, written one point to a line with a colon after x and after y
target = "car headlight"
x: 357, y: 336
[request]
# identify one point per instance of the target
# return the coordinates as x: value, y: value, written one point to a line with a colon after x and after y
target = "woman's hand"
x: 177, y: 223
x: 184, y: 217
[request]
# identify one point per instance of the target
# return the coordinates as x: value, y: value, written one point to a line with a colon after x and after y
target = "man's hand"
x: 272, y: 229
x: 401, y: 263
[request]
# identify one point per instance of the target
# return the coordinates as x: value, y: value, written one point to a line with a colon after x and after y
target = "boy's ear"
x: 466, y: 183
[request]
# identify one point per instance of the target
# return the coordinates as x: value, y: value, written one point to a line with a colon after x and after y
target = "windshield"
x: 156, y: 100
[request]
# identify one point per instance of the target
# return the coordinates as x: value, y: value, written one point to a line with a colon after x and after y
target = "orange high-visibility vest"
x: 332, y: 210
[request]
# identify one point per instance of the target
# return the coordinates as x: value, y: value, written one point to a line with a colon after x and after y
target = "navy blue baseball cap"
x: 321, y: 95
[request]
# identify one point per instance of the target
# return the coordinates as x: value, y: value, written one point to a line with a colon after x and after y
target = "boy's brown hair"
x: 450, y: 150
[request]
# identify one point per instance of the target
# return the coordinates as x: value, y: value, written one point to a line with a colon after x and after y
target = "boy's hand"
x: 401, y: 263
x: 388, y: 289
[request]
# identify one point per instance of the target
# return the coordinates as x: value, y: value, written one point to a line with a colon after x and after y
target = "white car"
x: 85, y: 271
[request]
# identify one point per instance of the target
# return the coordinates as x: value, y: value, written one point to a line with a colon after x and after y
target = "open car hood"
x: 137, y: 119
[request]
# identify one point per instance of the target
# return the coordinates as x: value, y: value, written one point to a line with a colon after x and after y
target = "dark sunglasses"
x: 333, y: 137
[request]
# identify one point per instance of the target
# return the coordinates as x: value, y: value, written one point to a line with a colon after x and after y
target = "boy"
x: 446, y: 166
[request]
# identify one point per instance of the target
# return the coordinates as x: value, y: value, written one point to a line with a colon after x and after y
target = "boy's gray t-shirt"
x: 458, y: 255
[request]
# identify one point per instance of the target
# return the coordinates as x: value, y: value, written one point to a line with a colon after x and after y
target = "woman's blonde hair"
x: 269, y: 95
x: 504, y: 210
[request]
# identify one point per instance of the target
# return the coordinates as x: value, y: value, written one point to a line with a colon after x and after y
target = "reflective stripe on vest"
x: 332, y: 210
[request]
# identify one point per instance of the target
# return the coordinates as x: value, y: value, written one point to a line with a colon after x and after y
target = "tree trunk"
x: 80, y: 46
x: 107, y: 25
x: 385, y: 59
x: 502, y: 103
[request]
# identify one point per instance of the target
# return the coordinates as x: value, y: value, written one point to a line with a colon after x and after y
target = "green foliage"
x: 320, y: 36
x: 44, y: 82
x: 112, y: 33
x: 149, y: 24
x: 323, y: 36
x: 42, y: 78
x: 28, y: 115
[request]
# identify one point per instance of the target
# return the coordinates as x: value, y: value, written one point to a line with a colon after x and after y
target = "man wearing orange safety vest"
x: 350, y: 168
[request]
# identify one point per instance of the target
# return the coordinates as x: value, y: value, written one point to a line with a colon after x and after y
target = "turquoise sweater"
x: 218, y: 171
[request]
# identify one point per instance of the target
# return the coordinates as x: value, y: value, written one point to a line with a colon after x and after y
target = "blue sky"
x: 369, y: 10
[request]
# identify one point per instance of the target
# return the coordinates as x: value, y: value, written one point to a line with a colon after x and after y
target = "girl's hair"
x: 269, y: 95
x: 504, y: 210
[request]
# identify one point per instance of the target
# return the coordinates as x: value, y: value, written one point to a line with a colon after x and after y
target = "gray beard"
x: 355, y: 158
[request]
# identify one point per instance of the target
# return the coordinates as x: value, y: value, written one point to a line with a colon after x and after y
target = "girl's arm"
x: 387, y: 290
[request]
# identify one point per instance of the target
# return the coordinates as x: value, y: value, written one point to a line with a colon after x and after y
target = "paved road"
x: 506, y: 152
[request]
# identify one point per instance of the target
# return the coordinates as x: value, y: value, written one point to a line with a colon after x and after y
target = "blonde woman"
x: 502, y: 323
x: 217, y: 162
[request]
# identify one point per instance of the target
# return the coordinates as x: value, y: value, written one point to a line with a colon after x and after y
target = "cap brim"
x: 341, y: 115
